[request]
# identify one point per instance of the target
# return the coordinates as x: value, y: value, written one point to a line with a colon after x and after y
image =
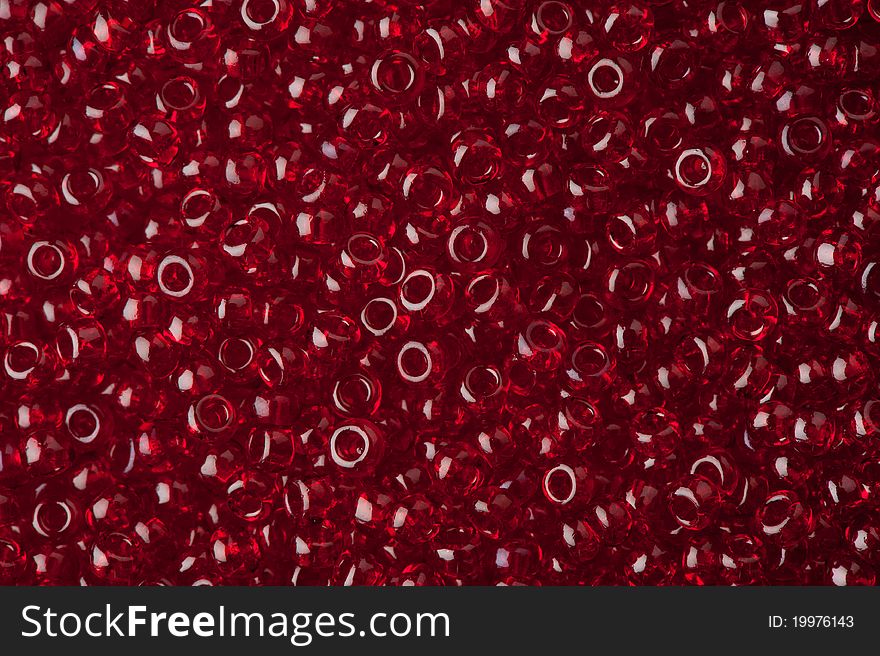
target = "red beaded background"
x: 450, y: 292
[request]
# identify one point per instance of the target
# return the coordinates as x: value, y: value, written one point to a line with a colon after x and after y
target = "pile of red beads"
x: 449, y: 292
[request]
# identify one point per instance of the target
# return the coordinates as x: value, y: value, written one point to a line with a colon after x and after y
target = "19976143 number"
x: 811, y: 622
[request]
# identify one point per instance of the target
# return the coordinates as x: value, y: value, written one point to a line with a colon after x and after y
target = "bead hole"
x: 197, y: 205
x: 78, y: 187
x: 187, y: 26
x: 581, y: 413
x: 483, y: 382
x: 417, y: 290
x: 179, y: 93
x: 395, y: 74
x: 364, y: 249
x: 632, y: 282
x: 693, y: 355
x: 856, y: 103
x: 871, y: 413
x: 261, y: 12
x: 379, y: 315
x: 543, y: 336
x: 175, y: 276
x: 468, y: 244
x: 685, y: 507
x: 605, y: 78
x: 560, y: 484
x: 52, y: 518
x: 483, y: 291
x: 545, y: 246
x: 46, y: 261
x: 353, y: 392
x: 414, y: 362
x: 589, y: 312
x: 236, y: 353
x: 214, y: 413
x: 693, y: 168
x: 105, y: 96
x: 702, y: 279
x: 349, y: 445
x: 554, y: 18
x: 590, y: 360
x: 22, y: 357
x: 806, y: 135
x: 83, y: 423
x: 804, y: 294
x: 733, y: 17
x: 665, y: 135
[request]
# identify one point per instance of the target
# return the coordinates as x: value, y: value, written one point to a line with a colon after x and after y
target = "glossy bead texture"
x: 479, y: 292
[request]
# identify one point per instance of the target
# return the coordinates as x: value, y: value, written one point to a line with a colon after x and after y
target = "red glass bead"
x: 784, y: 519
x: 356, y: 447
